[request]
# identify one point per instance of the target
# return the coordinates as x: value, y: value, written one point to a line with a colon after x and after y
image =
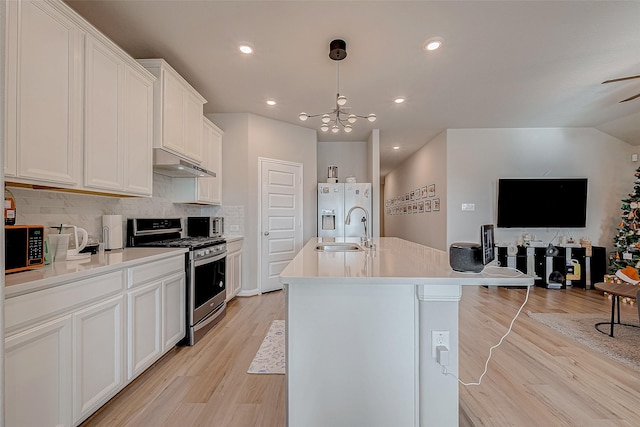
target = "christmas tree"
x: 627, y: 240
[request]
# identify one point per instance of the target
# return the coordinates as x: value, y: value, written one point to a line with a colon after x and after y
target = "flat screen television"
x: 542, y: 203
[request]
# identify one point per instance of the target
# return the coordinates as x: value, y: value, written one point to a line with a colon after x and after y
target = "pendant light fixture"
x: 338, y: 118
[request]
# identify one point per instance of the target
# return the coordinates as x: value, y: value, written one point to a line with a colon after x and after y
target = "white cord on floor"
x: 486, y: 365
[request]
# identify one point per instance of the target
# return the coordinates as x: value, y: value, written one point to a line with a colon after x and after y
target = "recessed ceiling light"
x: 399, y: 100
x: 396, y: 147
x: 434, y: 43
x: 271, y: 102
x: 245, y: 48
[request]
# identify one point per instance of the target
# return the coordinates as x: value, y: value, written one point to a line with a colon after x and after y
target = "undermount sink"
x: 338, y: 247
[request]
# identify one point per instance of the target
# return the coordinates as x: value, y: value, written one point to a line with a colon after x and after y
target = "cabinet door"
x: 193, y: 127
x: 38, y: 375
x: 104, y: 145
x: 45, y: 114
x: 138, y: 133
x: 237, y: 274
x: 144, y: 327
x: 98, y: 345
x: 234, y: 273
x: 174, y: 302
x: 204, y: 184
x: 229, y: 276
x: 216, y: 166
x: 173, y: 114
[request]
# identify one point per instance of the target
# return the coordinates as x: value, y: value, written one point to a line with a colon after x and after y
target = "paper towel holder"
x: 112, y: 232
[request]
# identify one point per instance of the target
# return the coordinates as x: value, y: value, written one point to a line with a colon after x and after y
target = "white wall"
x: 476, y: 158
x: 426, y: 166
x: 246, y: 138
x: 350, y: 157
x: 465, y: 164
x: 360, y: 159
x: 373, y: 173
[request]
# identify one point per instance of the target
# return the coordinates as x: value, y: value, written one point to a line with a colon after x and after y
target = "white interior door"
x: 281, y: 219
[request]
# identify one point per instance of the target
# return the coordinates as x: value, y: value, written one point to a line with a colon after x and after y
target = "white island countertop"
x: 58, y: 272
x: 400, y: 260
x: 360, y: 330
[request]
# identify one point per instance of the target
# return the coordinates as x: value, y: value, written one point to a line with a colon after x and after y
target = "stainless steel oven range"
x: 204, y: 265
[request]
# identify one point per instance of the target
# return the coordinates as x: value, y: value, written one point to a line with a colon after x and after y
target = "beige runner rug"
x: 270, y: 358
x: 624, y: 346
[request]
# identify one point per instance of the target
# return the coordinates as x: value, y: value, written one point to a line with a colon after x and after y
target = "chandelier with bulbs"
x: 338, y: 118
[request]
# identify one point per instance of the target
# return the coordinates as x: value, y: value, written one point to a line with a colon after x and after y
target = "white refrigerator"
x: 335, y: 200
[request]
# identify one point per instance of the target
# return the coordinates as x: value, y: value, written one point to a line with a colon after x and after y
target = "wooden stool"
x: 617, y: 290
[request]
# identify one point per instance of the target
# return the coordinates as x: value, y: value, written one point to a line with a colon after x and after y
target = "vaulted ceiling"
x: 503, y: 64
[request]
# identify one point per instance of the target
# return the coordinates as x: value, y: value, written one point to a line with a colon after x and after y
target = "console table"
x: 534, y: 261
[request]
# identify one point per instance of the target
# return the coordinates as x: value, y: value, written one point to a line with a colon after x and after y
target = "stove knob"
x: 200, y: 253
x: 207, y: 252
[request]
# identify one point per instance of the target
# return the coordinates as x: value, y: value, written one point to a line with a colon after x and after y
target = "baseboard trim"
x: 250, y: 293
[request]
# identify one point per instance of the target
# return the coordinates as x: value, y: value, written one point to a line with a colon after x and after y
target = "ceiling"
x: 504, y: 64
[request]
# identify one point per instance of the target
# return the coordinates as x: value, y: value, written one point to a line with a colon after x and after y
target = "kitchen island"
x: 358, y: 334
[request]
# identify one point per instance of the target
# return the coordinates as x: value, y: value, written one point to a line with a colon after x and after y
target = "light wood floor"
x: 536, y: 378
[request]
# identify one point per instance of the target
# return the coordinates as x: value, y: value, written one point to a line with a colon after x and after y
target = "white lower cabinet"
x: 234, y: 268
x: 38, y: 375
x: 71, y: 347
x: 98, y: 361
x: 156, y: 314
x: 174, y: 325
x: 144, y: 319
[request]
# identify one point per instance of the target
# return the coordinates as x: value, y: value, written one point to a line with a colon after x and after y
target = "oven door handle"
x: 204, y: 261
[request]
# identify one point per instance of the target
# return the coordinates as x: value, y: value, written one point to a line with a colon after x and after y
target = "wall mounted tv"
x: 542, y: 203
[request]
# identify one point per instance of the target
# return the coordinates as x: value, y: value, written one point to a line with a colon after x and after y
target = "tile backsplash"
x: 54, y: 207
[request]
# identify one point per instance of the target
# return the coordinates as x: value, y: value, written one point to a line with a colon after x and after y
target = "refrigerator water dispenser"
x: 328, y: 220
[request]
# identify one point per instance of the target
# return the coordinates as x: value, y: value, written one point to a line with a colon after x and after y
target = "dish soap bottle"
x: 9, y: 208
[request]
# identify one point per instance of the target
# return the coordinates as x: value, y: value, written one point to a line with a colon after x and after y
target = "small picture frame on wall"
x: 421, y: 206
x: 431, y: 190
x: 427, y: 205
x: 423, y: 192
x: 436, y: 204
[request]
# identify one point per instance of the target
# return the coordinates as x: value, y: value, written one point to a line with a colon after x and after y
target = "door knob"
x: 266, y: 233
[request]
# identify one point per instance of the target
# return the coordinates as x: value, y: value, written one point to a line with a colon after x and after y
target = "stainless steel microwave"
x: 23, y: 247
x: 205, y: 226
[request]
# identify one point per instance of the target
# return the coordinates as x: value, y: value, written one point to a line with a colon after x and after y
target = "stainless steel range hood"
x: 168, y: 164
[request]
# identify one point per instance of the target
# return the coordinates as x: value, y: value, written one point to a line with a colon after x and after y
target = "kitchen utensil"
x: 332, y: 174
x: 58, y: 246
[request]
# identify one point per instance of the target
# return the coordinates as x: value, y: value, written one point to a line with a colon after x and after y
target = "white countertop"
x: 232, y: 238
x: 393, y: 261
x: 53, y: 274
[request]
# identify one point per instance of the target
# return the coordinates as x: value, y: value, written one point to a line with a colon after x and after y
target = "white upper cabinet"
x: 44, y: 94
x: 72, y: 94
x: 118, y: 121
x: 205, y: 190
x: 209, y: 188
x: 178, y: 112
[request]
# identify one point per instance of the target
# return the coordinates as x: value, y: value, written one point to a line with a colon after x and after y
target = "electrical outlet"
x: 438, y: 338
